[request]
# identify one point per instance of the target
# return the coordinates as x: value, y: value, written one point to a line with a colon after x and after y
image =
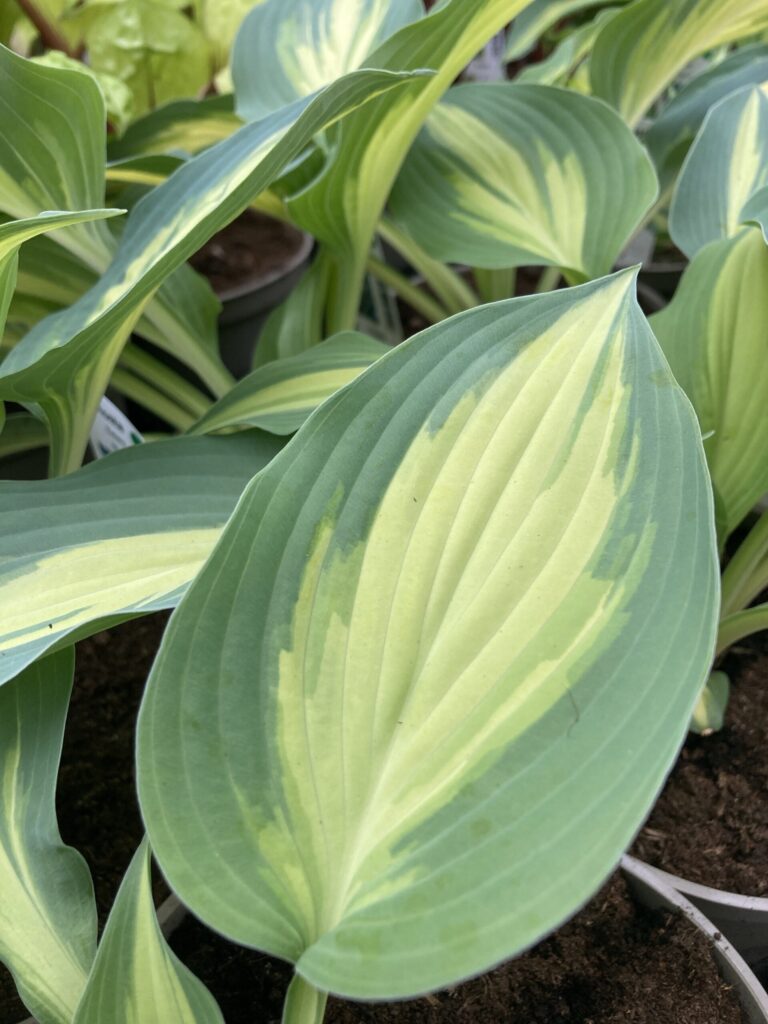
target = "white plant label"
x: 112, y: 430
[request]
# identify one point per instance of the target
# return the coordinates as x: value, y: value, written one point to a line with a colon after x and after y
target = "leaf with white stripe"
x: 725, y: 166
x: 136, y: 977
x: 504, y: 175
x: 280, y: 395
x: 640, y: 51
x: 714, y: 335
x: 47, y: 913
x: 450, y: 623
x: 287, y: 49
x: 121, y: 537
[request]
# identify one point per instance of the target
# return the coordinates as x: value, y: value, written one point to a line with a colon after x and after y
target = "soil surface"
x: 711, y: 822
x: 253, y: 246
x: 614, y: 963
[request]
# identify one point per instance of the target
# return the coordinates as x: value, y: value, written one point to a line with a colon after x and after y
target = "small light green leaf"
x: 448, y: 625
x: 220, y: 20
x: 715, y: 342
x: 725, y: 166
x: 186, y: 126
x: 639, y: 52
x: 280, y: 395
x: 557, y: 68
x: 118, y: 98
x: 63, y: 364
x: 287, y: 49
x: 47, y: 913
x: 672, y: 133
x: 536, y: 19
x: 504, y: 175
x: 709, y: 713
x: 136, y: 977
x: 121, y: 537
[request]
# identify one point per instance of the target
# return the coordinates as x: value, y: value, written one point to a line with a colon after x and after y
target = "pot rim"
x: 256, y: 284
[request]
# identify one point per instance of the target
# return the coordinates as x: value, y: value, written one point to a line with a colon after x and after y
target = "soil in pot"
x: 96, y: 797
x: 614, y: 963
x: 710, y: 824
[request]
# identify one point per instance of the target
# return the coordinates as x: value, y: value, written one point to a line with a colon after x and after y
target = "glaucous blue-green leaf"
x: 640, y: 51
x: 715, y: 335
x: 725, y: 166
x: 63, y: 364
x: 121, y: 537
x: 536, y: 19
x: 280, y: 395
x: 52, y: 138
x: 342, y: 206
x: 447, y: 626
x: 185, y: 126
x: 47, y: 913
x: 287, y: 49
x: 672, y: 133
x: 558, y: 67
x: 504, y: 175
x: 136, y: 977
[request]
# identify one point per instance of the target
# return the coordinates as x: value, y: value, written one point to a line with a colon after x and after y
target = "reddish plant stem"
x: 51, y: 38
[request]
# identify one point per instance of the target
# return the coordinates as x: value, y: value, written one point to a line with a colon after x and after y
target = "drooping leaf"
x: 63, y: 364
x: 186, y: 126
x: 280, y: 395
x: 52, y: 138
x: 47, y: 913
x: 672, y: 133
x: 533, y: 22
x: 505, y: 175
x: 725, y: 166
x: 639, y: 52
x: 714, y: 335
x: 287, y: 49
x: 121, y: 537
x: 448, y: 625
x: 136, y: 977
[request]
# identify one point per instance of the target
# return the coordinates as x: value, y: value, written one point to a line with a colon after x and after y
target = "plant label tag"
x: 112, y: 430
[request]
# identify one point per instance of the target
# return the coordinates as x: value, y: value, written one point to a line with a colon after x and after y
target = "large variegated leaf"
x: 343, y: 204
x: 123, y: 536
x: 449, y: 624
x: 47, y: 911
x: 52, y: 138
x: 671, y: 134
x: 63, y: 364
x: 639, y: 52
x: 504, y: 175
x: 714, y: 334
x: 136, y: 977
x: 287, y: 49
x: 533, y: 22
x: 725, y: 166
x: 280, y: 395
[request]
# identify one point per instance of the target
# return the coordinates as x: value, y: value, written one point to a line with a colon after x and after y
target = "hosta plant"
x: 443, y: 610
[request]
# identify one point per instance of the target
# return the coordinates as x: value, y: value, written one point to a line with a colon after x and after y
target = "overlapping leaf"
x: 287, y: 49
x: 281, y: 394
x: 136, y: 977
x: 725, y: 166
x: 186, y: 126
x: 64, y: 363
x: 123, y: 536
x: 504, y: 175
x: 639, y: 52
x: 714, y: 335
x: 445, y: 628
x: 533, y: 22
x: 563, y: 61
x: 47, y: 913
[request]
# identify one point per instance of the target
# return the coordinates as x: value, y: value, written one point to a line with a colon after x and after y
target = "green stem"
x: 139, y: 391
x: 745, y: 574
x: 450, y: 288
x: 549, y: 280
x: 165, y: 380
x: 736, y: 627
x: 344, y: 293
x: 414, y: 296
x: 304, y: 1004
x: 495, y: 284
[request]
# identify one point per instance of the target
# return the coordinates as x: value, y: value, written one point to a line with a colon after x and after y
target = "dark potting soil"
x: 616, y: 962
x: 710, y: 824
x: 253, y: 246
